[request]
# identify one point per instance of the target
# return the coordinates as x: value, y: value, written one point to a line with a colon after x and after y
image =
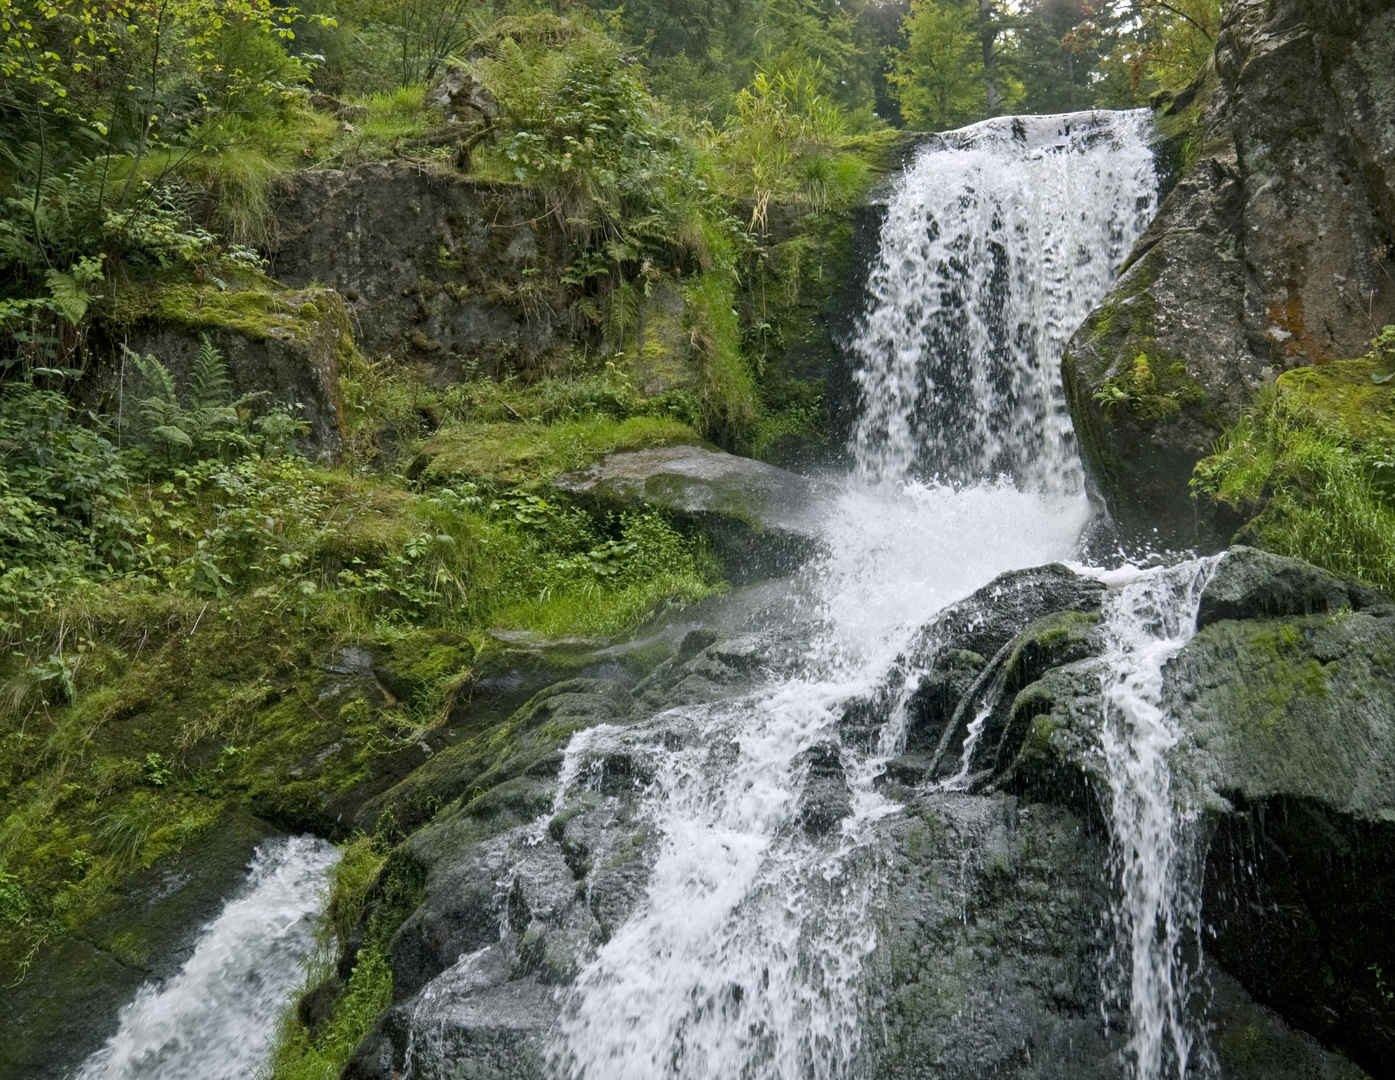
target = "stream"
x: 743, y: 957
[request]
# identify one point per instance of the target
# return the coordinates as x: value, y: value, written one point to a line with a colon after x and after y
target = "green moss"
x: 257, y: 309
x: 1050, y: 642
x: 1181, y: 121
x: 1150, y: 390
x: 1312, y: 470
x: 371, y: 897
x: 533, y: 453
x: 1291, y: 677
x: 726, y: 388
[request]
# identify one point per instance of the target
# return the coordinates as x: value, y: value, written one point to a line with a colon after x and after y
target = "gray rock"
x: 438, y: 269
x: 462, y: 97
x: 1272, y: 252
x: 987, y: 962
x: 760, y: 517
x: 1249, y: 583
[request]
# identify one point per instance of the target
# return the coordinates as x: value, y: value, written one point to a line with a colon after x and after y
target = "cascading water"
x: 216, y: 1019
x: 997, y: 244
x: 1147, y: 622
x: 744, y: 958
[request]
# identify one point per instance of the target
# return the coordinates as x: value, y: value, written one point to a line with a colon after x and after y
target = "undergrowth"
x: 1312, y: 468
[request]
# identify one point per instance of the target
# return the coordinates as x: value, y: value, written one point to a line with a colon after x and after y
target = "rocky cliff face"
x: 457, y: 276
x: 1276, y: 249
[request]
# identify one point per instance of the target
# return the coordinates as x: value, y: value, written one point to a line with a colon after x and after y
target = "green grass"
x: 1313, y: 469
x: 395, y: 114
x: 533, y: 453
x: 302, y: 1054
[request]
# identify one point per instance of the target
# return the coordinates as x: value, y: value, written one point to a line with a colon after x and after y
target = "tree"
x: 1164, y: 43
x: 938, y: 75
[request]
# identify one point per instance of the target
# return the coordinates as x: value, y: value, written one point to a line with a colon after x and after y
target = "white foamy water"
x: 744, y: 960
x: 995, y: 248
x: 745, y: 956
x: 1157, y: 956
x: 217, y: 1018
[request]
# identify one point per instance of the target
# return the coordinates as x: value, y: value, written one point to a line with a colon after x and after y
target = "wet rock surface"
x: 1273, y: 251
x: 995, y: 910
x: 758, y: 516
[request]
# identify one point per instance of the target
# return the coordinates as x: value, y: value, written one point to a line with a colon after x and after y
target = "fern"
x: 210, y: 386
x: 163, y: 420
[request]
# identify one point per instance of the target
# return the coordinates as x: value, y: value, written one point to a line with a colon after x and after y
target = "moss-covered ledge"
x: 288, y: 344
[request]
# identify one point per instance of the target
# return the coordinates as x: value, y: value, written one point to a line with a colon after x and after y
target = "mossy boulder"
x: 760, y: 517
x: 1271, y: 252
x: 288, y: 345
x: 1249, y: 583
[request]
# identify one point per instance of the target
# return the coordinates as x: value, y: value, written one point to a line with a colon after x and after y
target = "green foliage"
x: 1312, y: 468
x: 727, y: 390
x: 938, y: 75
x: 1149, y: 394
x: 582, y: 128
x: 782, y: 142
x: 1169, y: 42
x: 1382, y: 355
x: 209, y: 423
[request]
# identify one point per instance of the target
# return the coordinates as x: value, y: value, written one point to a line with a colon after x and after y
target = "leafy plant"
x: 209, y: 423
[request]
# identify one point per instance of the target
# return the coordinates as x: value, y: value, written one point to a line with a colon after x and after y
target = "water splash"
x: 743, y: 959
x: 1146, y: 623
x: 996, y: 245
x: 216, y: 1019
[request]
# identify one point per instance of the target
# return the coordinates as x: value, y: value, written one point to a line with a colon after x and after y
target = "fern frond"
x: 210, y: 386
x: 158, y: 382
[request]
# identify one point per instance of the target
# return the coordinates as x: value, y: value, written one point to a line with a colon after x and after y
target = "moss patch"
x: 1312, y: 469
x: 534, y: 453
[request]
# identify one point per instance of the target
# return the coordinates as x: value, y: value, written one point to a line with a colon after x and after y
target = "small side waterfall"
x: 1156, y: 948
x: 216, y: 1019
x: 997, y: 243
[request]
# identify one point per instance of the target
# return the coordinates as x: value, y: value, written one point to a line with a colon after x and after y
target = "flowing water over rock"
x: 744, y: 956
x: 999, y: 241
x: 217, y: 1018
x: 1157, y: 947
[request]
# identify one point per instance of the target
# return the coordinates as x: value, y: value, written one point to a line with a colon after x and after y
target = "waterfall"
x: 744, y: 957
x: 1156, y: 951
x: 216, y: 1019
x: 997, y: 243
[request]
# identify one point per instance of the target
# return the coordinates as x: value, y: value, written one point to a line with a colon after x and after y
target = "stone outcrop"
x: 989, y: 958
x: 1273, y: 251
x: 286, y: 345
x: 451, y: 274
x: 760, y: 517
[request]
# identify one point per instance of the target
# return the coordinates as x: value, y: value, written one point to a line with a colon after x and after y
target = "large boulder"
x: 1273, y: 251
x: 1284, y: 707
x: 439, y: 271
x: 762, y: 518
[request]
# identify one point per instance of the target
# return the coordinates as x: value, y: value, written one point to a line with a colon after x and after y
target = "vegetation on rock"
x: 246, y: 563
x: 1312, y: 467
